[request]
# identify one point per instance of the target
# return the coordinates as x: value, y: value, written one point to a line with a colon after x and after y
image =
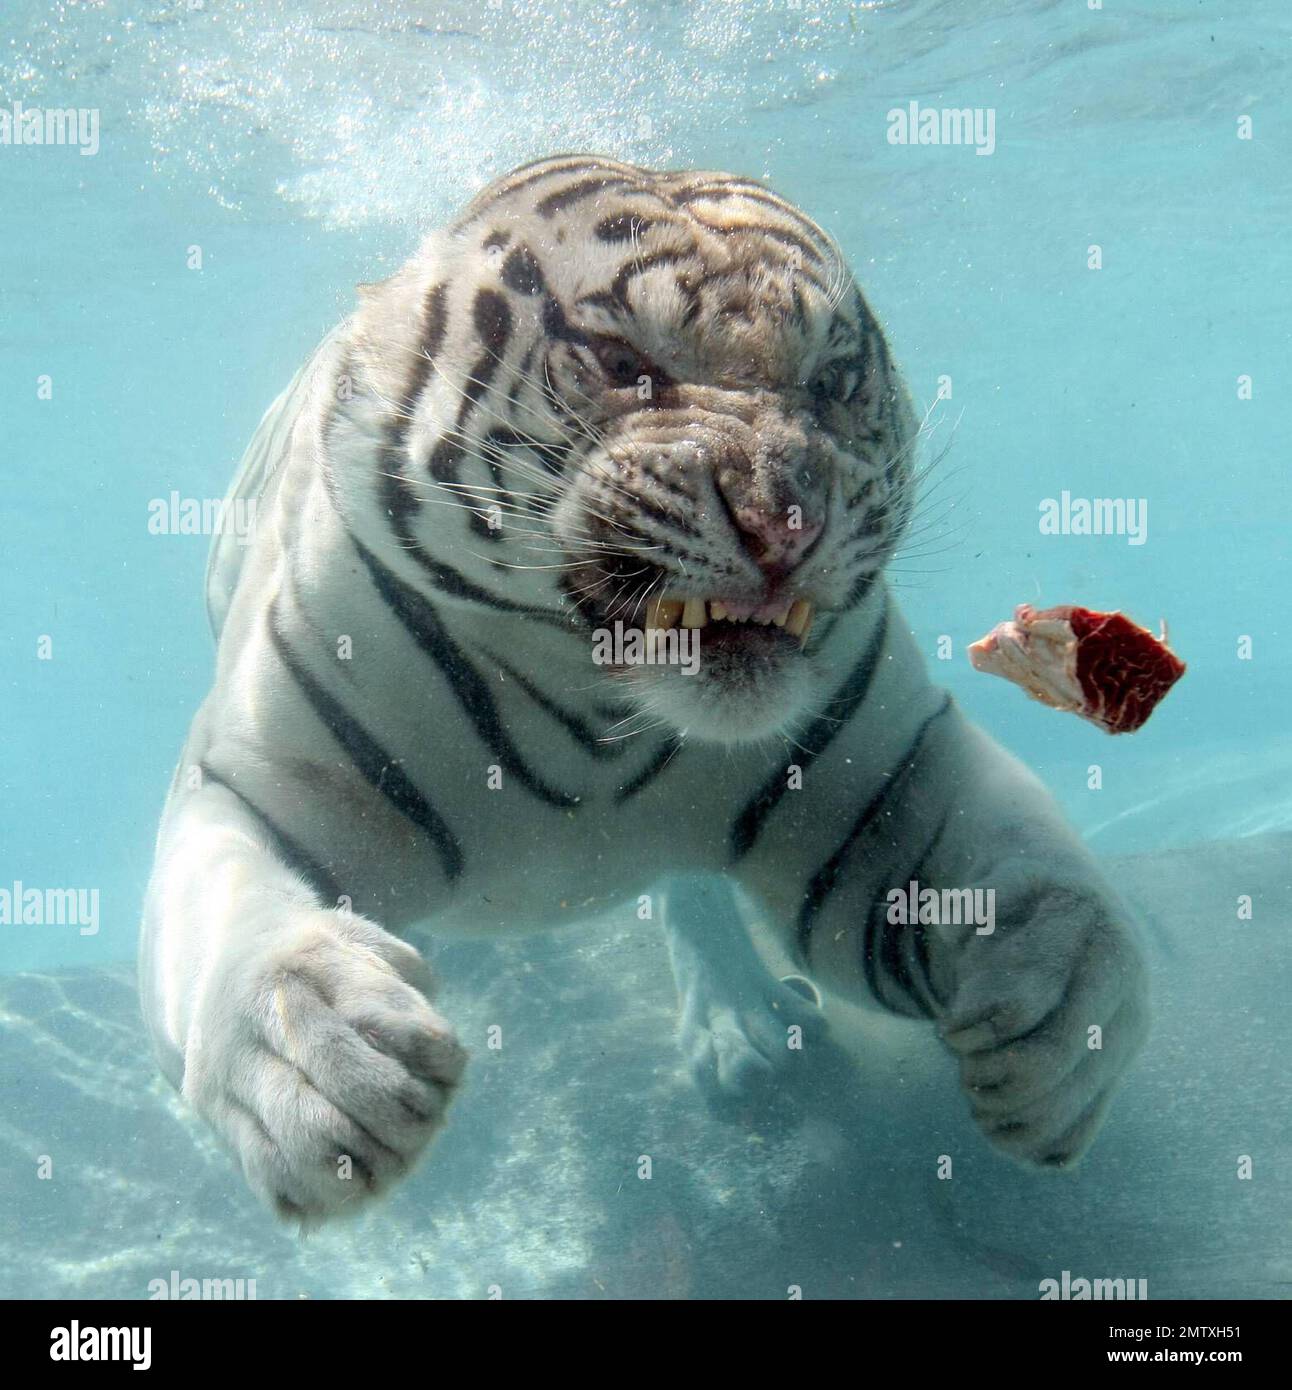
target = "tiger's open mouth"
x: 725, y: 669
x: 731, y: 622
x: 741, y: 675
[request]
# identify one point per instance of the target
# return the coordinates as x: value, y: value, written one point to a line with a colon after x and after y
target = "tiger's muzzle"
x: 707, y: 523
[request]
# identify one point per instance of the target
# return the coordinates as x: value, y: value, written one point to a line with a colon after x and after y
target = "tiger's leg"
x: 301, y: 1033
x: 1043, y: 1002
x: 741, y: 1029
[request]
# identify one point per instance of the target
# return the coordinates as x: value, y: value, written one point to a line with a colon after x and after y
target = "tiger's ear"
x: 387, y: 327
x: 379, y: 296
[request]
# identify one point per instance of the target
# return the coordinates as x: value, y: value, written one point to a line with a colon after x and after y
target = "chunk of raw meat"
x: 1101, y: 666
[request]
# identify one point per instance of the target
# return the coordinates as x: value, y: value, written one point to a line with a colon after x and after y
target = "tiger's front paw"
x: 1045, y: 1019
x: 317, y: 1057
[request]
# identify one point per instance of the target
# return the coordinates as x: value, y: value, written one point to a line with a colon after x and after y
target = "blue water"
x: 304, y: 147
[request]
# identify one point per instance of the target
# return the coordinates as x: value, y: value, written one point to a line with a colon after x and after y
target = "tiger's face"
x: 713, y: 435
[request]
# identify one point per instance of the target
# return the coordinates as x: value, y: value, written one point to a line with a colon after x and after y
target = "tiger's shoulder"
x: 290, y: 420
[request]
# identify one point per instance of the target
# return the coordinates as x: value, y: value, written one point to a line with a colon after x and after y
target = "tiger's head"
x: 661, y: 400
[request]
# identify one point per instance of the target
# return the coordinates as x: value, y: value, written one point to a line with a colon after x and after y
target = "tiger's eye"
x: 621, y: 364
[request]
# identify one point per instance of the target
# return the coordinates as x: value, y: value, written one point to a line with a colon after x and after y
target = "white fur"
x: 301, y: 1028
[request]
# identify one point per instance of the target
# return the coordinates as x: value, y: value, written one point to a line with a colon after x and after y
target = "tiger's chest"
x: 534, y: 867
x: 465, y: 769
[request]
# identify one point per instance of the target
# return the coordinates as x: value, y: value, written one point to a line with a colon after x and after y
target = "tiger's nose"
x: 778, y: 539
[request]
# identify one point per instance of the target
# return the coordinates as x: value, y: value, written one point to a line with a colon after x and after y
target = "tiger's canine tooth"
x: 663, y: 612
x: 799, y: 618
x: 693, y: 614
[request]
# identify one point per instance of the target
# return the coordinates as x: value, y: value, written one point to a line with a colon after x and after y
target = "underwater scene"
x: 646, y: 650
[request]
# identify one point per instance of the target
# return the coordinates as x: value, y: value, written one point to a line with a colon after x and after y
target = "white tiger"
x: 605, y: 394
